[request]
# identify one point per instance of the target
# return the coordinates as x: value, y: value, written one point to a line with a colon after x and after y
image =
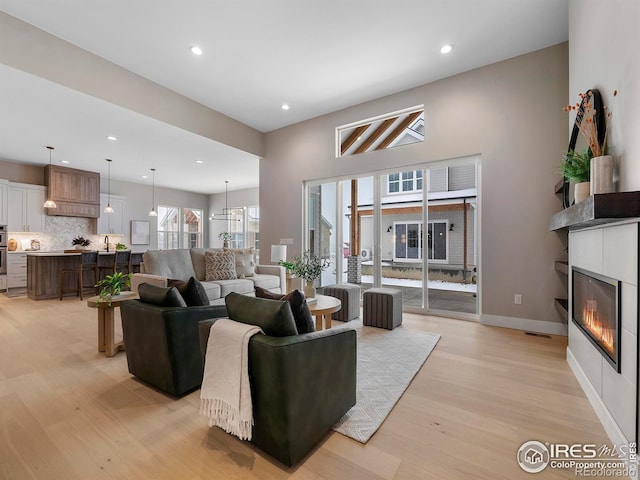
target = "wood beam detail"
x: 353, y: 138
x: 398, y: 130
x: 370, y: 140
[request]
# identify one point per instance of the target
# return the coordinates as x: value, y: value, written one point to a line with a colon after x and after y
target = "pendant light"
x: 227, y: 213
x: 109, y: 208
x: 49, y: 203
x: 152, y: 212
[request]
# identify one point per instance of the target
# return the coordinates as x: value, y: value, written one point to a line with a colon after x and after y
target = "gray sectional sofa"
x: 158, y: 266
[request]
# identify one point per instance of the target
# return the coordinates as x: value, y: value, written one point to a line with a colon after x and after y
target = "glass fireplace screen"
x: 596, y: 310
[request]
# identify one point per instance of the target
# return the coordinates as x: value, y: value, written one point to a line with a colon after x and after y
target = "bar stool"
x: 121, y: 261
x: 88, y: 263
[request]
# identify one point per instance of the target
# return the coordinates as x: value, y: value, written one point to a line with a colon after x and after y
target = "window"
x: 411, y: 182
x: 192, y: 228
x: 168, y: 227
x: 175, y: 224
x: 236, y: 228
x: 394, y: 129
x: 437, y: 241
x: 253, y: 228
x: 408, y: 238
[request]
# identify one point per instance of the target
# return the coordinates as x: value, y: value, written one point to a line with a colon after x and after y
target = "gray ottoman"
x: 382, y: 307
x: 349, y: 295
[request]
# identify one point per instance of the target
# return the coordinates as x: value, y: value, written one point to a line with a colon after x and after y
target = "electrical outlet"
x: 517, y: 299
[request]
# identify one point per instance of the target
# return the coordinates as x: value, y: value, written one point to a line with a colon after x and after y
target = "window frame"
x: 421, y: 235
x: 417, y: 182
x: 179, y: 234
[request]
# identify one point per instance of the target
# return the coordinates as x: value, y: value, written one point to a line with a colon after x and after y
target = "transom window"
x: 394, y: 129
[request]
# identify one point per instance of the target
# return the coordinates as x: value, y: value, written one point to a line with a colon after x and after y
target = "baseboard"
x: 526, y: 324
x: 610, y: 426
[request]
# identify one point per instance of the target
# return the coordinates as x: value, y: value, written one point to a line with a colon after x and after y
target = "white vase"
x: 309, y: 289
x: 581, y: 191
x: 602, y: 174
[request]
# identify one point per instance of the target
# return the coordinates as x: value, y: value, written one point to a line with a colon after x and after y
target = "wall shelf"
x: 597, y: 210
x: 563, y: 303
x: 562, y: 267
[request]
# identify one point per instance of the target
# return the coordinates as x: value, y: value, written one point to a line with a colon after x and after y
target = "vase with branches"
x: 309, y: 267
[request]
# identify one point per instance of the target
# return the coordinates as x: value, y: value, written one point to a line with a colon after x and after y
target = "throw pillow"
x: 160, y: 296
x: 245, y: 264
x: 299, y: 307
x: 220, y: 265
x: 192, y: 291
x: 273, y: 316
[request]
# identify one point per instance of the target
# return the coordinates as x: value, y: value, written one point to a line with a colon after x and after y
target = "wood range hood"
x: 76, y: 192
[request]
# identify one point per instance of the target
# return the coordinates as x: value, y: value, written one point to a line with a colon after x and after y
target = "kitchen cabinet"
x: 16, y: 270
x: 4, y: 203
x: 76, y: 192
x: 26, y: 213
x: 111, y: 223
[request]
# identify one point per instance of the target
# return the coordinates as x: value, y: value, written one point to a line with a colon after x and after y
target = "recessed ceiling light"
x: 112, y: 138
x: 144, y: 176
x: 196, y: 50
x: 198, y: 161
x: 446, y: 48
x: 285, y: 106
x: 64, y: 161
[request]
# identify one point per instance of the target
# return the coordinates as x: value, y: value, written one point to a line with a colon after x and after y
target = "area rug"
x: 387, y: 362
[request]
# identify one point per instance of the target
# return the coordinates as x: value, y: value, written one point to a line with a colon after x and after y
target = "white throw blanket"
x: 225, y: 396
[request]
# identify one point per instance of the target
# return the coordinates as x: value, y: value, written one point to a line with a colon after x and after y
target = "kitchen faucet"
x: 106, y: 240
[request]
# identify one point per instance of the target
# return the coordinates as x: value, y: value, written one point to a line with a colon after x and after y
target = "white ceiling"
x: 318, y: 56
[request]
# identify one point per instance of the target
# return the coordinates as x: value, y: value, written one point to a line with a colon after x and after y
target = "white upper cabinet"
x: 26, y: 211
x: 111, y: 223
x: 4, y: 202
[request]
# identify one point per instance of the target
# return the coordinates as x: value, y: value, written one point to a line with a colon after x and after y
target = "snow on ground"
x: 433, y: 284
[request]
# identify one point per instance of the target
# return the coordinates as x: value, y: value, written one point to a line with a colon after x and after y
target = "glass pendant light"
x: 228, y: 215
x: 109, y: 208
x: 50, y: 203
x: 152, y: 212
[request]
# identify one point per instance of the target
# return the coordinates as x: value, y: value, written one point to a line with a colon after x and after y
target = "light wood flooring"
x: 68, y: 412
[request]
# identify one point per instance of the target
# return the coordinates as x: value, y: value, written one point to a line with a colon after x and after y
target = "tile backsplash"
x: 60, y: 231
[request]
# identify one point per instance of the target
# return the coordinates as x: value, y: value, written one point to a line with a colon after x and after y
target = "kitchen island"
x: 43, y: 271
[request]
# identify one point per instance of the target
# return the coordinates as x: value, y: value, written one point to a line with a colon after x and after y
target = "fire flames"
x: 603, y: 334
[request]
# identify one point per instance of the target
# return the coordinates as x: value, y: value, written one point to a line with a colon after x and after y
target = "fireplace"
x: 596, y: 311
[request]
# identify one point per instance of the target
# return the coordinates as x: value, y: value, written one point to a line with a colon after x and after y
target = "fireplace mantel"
x: 598, y: 209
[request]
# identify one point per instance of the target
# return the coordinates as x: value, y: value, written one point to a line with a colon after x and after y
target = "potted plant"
x: 120, y: 246
x: 80, y: 242
x: 225, y: 237
x: 309, y: 267
x: 592, y: 120
x: 112, y: 286
x: 576, y: 167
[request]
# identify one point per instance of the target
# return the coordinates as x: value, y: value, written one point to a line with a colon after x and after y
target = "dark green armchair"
x: 300, y: 386
x: 162, y: 344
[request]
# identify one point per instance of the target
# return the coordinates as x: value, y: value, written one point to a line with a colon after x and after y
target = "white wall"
x: 510, y: 113
x: 603, y: 53
x: 611, y: 251
x: 237, y: 198
x: 138, y: 199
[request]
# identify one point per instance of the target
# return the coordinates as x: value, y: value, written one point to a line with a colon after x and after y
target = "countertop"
x: 60, y: 253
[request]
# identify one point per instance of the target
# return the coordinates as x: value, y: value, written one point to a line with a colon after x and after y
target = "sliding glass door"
x: 376, y: 231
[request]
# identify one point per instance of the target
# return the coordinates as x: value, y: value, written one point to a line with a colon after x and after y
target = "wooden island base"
x: 43, y: 271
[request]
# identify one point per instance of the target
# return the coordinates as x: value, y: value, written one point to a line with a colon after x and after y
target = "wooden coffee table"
x: 322, y: 308
x: 106, y: 335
